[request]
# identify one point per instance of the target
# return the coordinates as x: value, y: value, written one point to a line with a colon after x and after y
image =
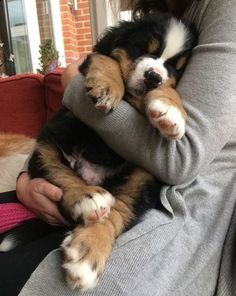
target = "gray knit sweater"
x: 184, y: 251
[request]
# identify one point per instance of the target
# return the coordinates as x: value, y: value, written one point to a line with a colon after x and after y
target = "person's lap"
x: 125, y: 271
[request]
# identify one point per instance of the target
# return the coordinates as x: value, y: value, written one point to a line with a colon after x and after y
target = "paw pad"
x: 167, y: 118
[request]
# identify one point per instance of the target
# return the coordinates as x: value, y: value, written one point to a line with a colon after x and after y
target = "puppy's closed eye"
x: 181, y: 62
x: 153, y: 46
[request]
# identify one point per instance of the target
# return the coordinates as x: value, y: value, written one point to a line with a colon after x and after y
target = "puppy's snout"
x: 152, y: 79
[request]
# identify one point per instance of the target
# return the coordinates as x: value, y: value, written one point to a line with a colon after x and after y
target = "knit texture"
x: 12, y: 215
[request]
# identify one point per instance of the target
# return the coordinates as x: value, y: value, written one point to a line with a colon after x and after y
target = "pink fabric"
x: 12, y: 215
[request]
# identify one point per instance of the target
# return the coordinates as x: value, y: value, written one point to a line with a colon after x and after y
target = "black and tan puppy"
x: 150, y: 54
x: 104, y: 194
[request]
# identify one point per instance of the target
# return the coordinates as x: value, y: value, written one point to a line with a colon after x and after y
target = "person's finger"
x: 61, y: 220
x: 53, y: 192
x: 49, y: 208
x: 49, y: 219
x: 42, y: 198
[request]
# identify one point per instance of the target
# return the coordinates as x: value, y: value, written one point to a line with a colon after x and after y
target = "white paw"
x: 81, y: 266
x: 167, y: 118
x: 93, y: 206
x: 81, y: 275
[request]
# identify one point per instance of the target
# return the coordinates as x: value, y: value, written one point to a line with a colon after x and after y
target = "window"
x: 19, y: 36
x: 44, y: 20
x: 103, y: 15
x: 24, y: 25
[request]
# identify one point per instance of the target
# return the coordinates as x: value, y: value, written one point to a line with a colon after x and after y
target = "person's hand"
x: 70, y: 72
x: 40, y: 197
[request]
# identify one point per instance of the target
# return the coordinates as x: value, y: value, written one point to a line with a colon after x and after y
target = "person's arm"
x: 208, y: 92
x: 70, y: 72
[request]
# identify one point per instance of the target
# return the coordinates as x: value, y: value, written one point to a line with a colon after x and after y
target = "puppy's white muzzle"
x: 147, y: 73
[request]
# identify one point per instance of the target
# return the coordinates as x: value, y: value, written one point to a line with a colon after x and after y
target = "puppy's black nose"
x: 152, y: 80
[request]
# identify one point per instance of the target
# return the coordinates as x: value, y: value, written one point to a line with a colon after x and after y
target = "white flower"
x: 11, y: 58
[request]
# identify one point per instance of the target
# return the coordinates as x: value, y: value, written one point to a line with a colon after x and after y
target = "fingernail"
x: 58, y: 195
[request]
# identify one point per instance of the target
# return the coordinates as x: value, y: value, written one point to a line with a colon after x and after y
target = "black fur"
x: 134, y: 38
x: 65, y: 132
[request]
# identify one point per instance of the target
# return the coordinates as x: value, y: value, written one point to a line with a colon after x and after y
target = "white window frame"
x: 33, y: 31
x: 34, y: 35
x: 57, y: 30
x: 103, y: 16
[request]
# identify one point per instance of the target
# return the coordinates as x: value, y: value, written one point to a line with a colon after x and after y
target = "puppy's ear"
x: 84, y: 67
x: 179, y: 62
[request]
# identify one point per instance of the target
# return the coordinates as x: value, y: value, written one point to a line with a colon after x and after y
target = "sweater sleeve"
x: 208, y: 92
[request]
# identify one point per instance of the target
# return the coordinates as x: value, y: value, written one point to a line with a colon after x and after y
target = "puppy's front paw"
x: 91, y: 204
x: 86, y: 251
x: 167, y: 118
x: 104, y: 91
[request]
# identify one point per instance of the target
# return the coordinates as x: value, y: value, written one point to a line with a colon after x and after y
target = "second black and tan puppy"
x: 104, y: 195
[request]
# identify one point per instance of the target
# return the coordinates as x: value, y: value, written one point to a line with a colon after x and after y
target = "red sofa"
x: 28, y: 100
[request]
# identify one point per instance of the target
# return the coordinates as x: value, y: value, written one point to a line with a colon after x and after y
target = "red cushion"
x: 22, y: 102
x: 53, y: 92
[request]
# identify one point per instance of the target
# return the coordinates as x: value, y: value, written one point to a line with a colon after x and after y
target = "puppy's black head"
x: 150, y: 50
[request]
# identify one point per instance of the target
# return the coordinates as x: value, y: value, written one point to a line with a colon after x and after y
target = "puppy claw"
x: 102, y: 107
x: 104, y: 92
x: 98, y: 215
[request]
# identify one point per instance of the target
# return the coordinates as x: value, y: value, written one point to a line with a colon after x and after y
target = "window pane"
x: 19, y: 36
x: 44, y: 20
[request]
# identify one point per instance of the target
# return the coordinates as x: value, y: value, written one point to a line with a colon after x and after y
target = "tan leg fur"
x: 87, y: 249
x: 104, y: 82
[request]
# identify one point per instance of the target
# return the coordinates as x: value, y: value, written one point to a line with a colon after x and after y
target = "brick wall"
x: 44, y: 20
x: 76, y: 28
